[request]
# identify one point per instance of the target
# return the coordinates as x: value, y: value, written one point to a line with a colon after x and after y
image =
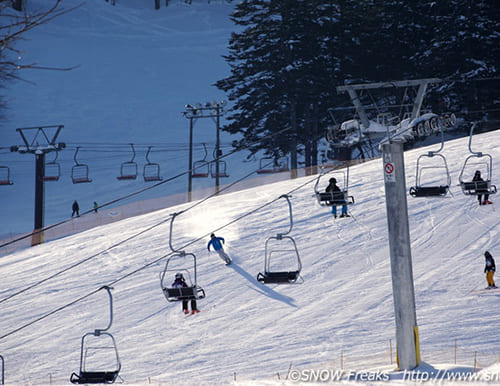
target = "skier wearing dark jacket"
x: 336, y: 193
x: 180, y: 282
x: 481, y: 192
x: 76, y: 209
x: 489, y: 269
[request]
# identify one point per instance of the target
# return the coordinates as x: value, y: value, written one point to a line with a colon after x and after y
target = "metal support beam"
x: 190, y: 166
x: 39, y: 145
x: 218, y: 153
x: 37, y: 237
x: 212, y: 110
x: 359, y: 107
x: 401, y: 266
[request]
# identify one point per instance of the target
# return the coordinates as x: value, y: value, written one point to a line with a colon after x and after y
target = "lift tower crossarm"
x: 360, y: 109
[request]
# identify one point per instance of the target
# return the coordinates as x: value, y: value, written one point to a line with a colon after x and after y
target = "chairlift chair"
x: 222, y: 169
x: 218, y: 167
x: 278, y: 249
x: 476, y: 161
x: 5, y: 175
x: 151, y: 170
x: 278, y: 165
x: 52, y: 170
x: 79, y: 172
x: 128, y: 169
x: 201, y: 168
x: 185, y: 263
x: 425, y: 190
x: 104, y: 350
x: 334, y: 198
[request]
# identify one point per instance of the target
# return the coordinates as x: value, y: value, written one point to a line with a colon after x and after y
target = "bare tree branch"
x: 13, y: 26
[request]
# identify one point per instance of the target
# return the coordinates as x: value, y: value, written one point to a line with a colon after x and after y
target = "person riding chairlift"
x: 180, y: 282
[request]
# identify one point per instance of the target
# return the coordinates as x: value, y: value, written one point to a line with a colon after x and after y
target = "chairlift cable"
x: 120, y: 242
x: 37, y: 231
x: 42, y: 317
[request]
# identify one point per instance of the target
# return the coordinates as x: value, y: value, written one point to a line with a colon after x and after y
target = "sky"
x: 340, y: 318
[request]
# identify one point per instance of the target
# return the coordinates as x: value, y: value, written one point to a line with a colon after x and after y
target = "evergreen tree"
x: 281, y: 74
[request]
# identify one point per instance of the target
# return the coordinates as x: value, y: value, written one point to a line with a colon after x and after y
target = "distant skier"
x: 76, y: 209
x: 481, y: 192
x: 337, y: 193
x: 216, y: 243
x: 95, y: 207
x: 489, y: 269
x: 180, y: 282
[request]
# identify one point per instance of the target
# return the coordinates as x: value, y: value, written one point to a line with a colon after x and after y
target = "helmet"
x: 178, y: 275
x: 333, y: 180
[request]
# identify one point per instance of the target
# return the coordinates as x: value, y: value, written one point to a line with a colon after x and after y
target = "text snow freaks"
x: 330, y: 375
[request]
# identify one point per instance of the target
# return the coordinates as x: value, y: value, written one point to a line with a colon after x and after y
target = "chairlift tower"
x: 212, y: 110
x: 407, y: 339
x: 39, y: 145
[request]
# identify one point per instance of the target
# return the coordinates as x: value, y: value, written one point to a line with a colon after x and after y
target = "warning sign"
x: 389, y: 172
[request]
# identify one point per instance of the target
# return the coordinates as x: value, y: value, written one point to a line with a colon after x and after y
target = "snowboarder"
x: 76, y: 209
x: 481, y: 192
x: 489, y: 269
x: 333, y: 188
x: 216, y: 243
x: 180, y: 282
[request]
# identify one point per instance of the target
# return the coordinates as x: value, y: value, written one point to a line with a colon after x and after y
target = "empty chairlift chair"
x: 201, y: 168
x: 99, y: 360
x: 435, y: 162
x: 268, y: 165
x: 52, y: 170
x: 79, y: 172
x: 282, y: 263
x: 5, y: 176
x: 128, y: 169
x: 476, y: 161
x: 334, y: 198
x: 180, y: 262
x: 151, y: 170
x: 218, y: 167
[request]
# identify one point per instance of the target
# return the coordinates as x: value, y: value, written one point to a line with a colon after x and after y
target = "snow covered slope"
x: 341, y: 316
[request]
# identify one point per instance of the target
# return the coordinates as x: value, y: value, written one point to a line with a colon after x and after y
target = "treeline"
x: 288, y: 56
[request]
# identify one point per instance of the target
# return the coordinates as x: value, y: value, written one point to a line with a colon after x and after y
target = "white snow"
x: 340, y: 319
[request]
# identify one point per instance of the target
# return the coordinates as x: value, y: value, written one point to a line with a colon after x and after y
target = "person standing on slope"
x: 489, y: 269
x: 180, y: 282
x: 216, y: 243
x: 76, y: 209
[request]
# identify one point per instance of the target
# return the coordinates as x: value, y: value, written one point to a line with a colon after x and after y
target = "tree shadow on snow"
x: 262, y: 288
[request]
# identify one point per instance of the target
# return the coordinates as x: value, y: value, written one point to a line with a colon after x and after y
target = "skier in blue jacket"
x: 216, y: 243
